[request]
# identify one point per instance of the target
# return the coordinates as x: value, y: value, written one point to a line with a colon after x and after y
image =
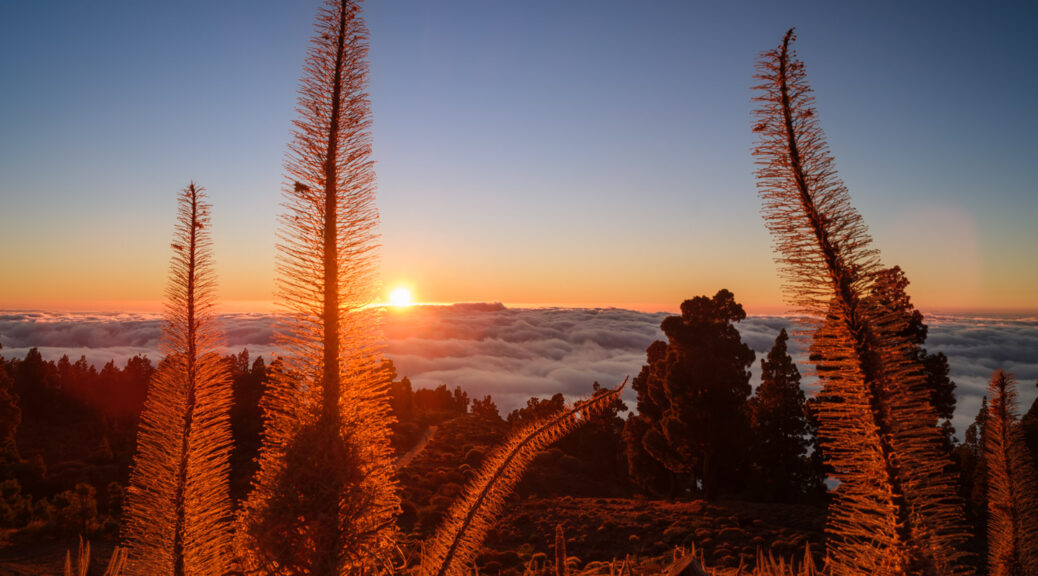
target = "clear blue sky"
x: 574, y: 153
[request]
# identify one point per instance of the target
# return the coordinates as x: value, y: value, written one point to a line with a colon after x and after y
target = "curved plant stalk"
x: 178, y: 505
x: 324, y: 500
x: 1012, y: 486
x: 896, y: 510
x: 453, y: 549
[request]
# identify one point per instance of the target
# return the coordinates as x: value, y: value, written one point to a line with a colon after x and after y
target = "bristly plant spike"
x: 1012, y: 486
x: 896, y: 511
x: 324, y: 499
x: 178, y: 508
x: 560, y: 551
x: 453, y: 549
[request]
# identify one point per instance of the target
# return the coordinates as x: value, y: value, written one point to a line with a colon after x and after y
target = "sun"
x: 400, y: 297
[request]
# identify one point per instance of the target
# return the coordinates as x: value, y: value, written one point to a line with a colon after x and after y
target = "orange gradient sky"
x: 567, y: 171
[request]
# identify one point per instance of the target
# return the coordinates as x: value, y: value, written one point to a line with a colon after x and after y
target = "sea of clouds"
x: 515, y: 353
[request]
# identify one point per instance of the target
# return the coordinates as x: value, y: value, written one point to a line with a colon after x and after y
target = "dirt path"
x: 404, y: 460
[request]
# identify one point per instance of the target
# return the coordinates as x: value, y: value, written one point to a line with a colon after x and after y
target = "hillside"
x: 596, y: 529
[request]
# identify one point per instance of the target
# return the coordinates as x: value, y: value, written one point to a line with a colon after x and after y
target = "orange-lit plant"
x: 691, y: 563
x: 324, y: 498
x: 81, y: 567
x: 453, y: 549
x: 560, y: 551
x: 896, y: 510
x: 1012, y: 486
x: 178, y: 507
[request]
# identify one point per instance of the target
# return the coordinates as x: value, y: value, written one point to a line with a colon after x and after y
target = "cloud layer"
x: 515, y: 353
x: 118, y: 337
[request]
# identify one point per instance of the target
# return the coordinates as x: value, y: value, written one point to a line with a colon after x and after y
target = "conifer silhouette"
x: 977, y: 498
x: 178, y: 509
x: 10, y: 416
x: 780, y: 428
x: 692, y: 396
x: 452, y: 551
x: 895, y: 511
x: 1012, y: 487
x: 324, y: 498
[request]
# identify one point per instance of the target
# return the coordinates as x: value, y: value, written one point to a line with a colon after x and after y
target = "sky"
x: 581, y: 153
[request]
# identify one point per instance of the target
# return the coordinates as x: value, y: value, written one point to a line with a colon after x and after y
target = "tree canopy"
x: 783, y: 470
x: 692, y: 400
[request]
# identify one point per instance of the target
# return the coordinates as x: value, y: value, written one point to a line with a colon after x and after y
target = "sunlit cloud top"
x: 517, y: 353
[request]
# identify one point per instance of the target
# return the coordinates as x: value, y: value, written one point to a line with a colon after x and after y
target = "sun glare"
x: 400, y: 297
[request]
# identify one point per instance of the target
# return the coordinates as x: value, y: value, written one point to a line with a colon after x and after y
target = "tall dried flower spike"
x: 1012, y: 486
x: 324, y: 499
x: 178, y: 508
x: 895, y: 511
x: 454, y: 547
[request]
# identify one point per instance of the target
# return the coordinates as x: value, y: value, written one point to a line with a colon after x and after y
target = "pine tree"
x: 178, y: 509
x: 976, y: 439
x: 1012, y: 486
x: 895, y: 511
x: 973, y: 478
x: 643, y: 469
x: 325, y: 498
x: 780, y: 428
x: 485, y: 407
x: 10, y: 416
x: 692, y: 396
x: 248, y: 385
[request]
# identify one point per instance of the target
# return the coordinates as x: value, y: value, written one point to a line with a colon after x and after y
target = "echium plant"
x: 895, y: 511
x: 1012, y: 486
x: 178, y: 508
x: 324, y: 499
x: 453, y: 549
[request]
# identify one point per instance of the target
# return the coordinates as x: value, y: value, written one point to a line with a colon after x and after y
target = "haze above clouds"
x: 515, y: 353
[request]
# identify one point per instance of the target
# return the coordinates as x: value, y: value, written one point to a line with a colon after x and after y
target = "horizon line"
x: 266, y: 307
